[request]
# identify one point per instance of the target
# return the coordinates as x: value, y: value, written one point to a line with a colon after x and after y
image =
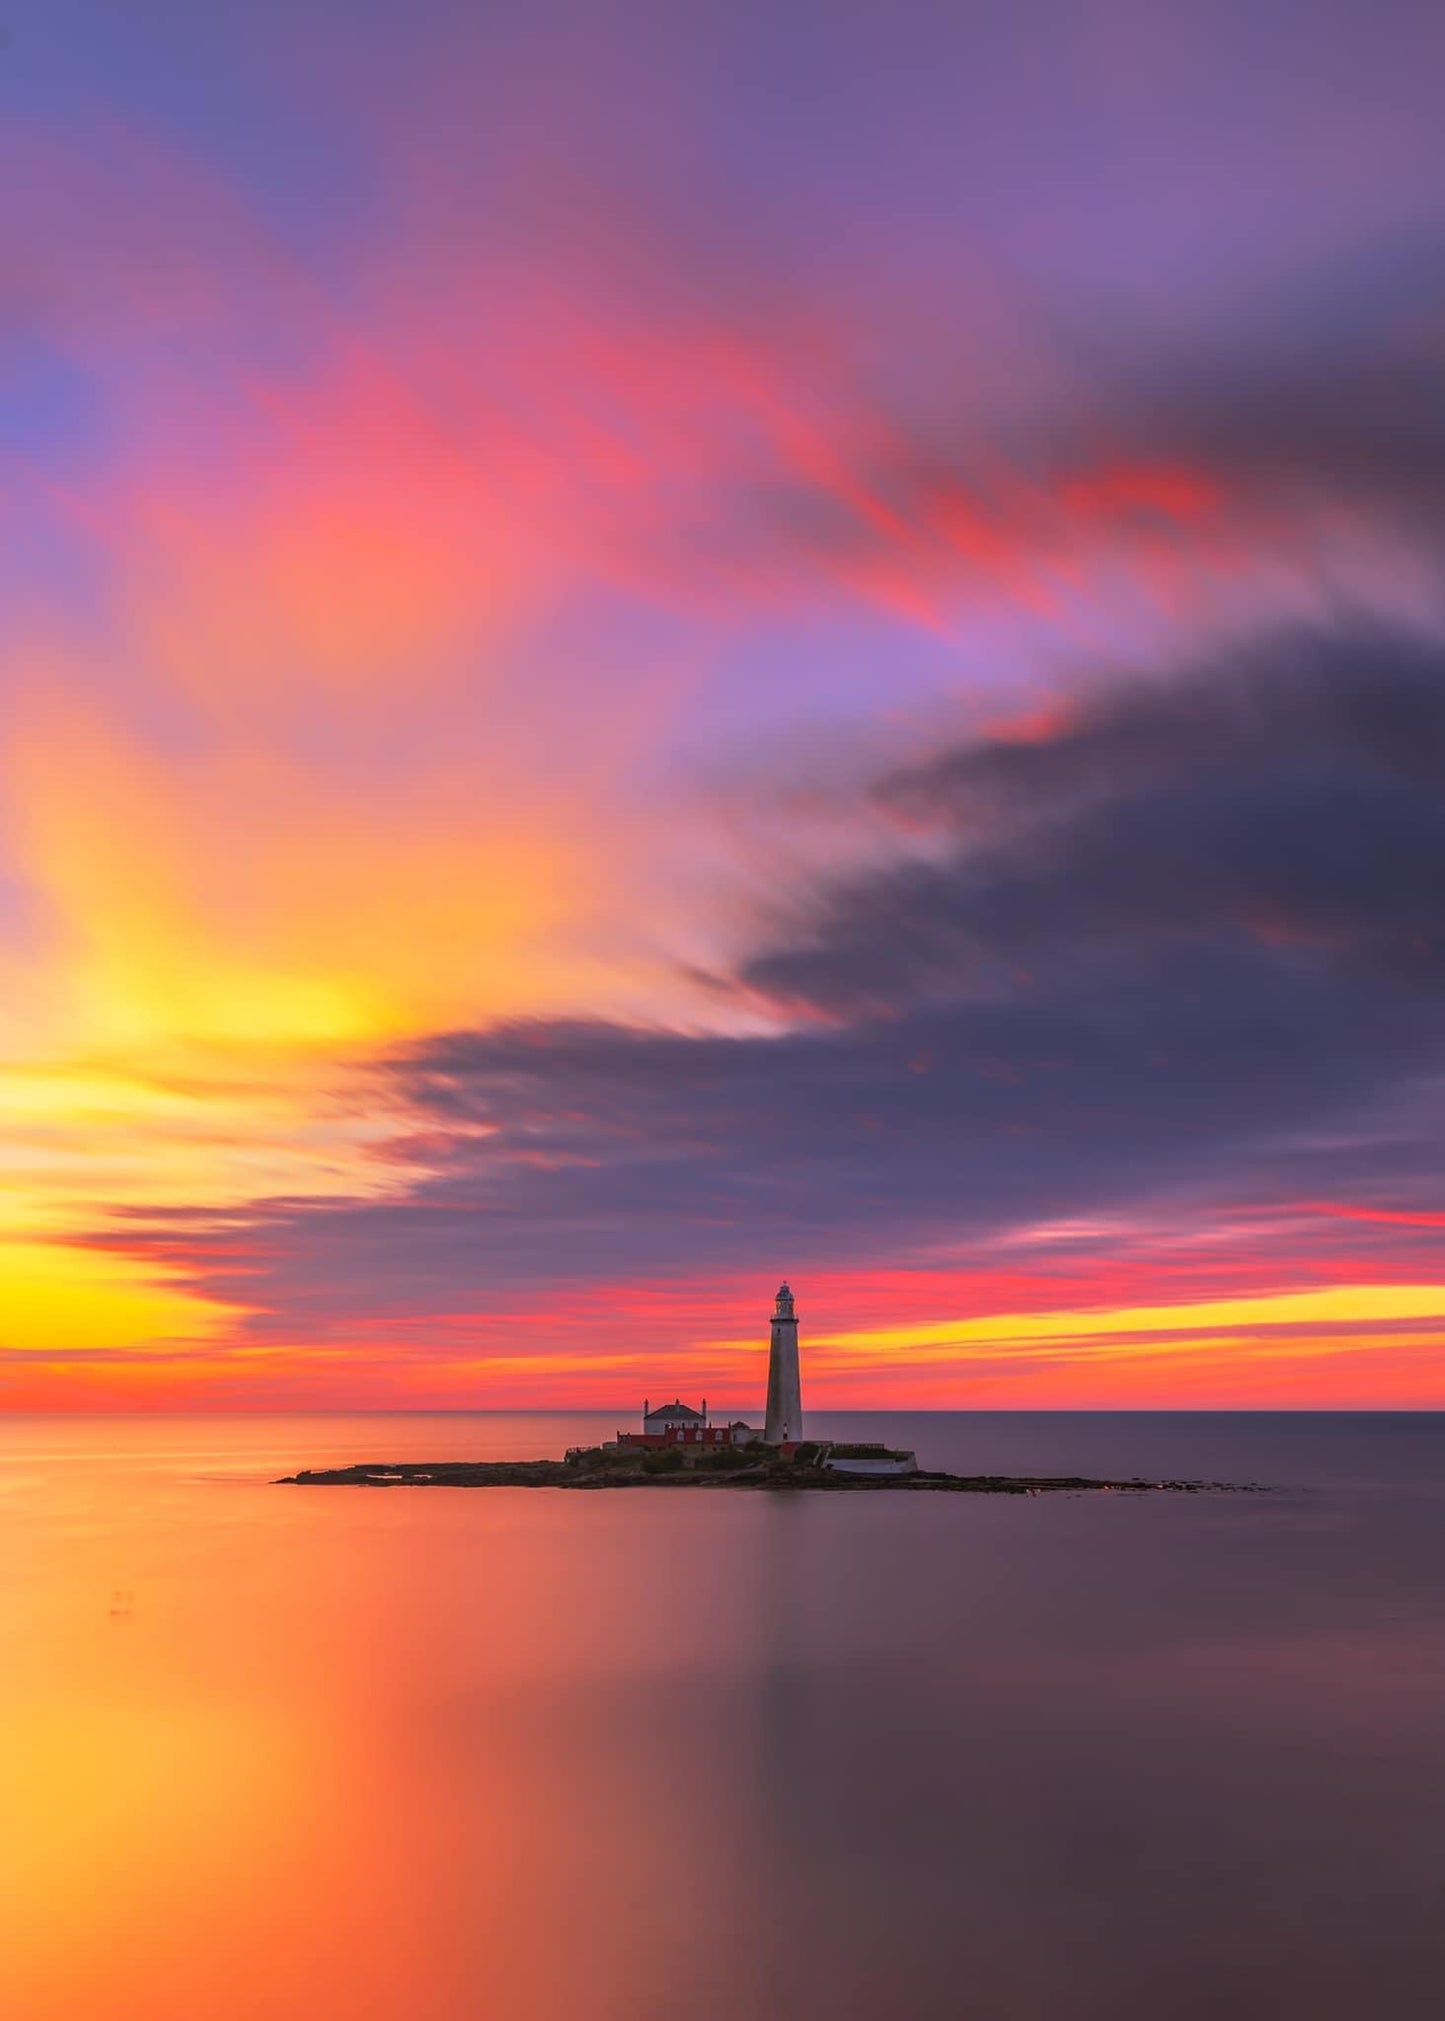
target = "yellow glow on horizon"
x: 195, y: 1028
x: 60, y: 1296
x: 1333, y: 1305
x: 210, y: 1127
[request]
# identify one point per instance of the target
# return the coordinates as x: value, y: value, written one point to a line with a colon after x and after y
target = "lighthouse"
x: 784, y: 1425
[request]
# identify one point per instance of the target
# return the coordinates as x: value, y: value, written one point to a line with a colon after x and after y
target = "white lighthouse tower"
x: 784, y: 1424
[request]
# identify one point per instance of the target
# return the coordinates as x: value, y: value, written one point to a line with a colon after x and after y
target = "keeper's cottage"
x: 678, y: 1424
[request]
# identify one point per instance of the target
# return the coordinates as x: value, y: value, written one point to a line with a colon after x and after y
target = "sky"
x: 647, y: 647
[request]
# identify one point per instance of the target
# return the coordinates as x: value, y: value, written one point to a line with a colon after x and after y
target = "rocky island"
x: 812, y: 1465
x: 678, y: 1446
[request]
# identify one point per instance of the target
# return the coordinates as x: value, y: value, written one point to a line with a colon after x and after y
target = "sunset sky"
x: 651, y: 646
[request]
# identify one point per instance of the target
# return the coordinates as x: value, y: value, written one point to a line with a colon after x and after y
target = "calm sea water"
x: 511, y: 1756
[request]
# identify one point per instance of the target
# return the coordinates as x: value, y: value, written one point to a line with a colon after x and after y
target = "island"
x: 814, y: 1466
x: 677, y: 1445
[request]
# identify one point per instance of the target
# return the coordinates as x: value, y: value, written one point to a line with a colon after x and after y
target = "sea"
x: 278, y: 1754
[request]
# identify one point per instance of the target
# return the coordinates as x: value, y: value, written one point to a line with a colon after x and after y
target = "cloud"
x: 1183, y: 949
x: 1287, y: 795
x: 378, y: 579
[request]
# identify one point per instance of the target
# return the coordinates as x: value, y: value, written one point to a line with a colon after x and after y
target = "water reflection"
x: 382, y: 1754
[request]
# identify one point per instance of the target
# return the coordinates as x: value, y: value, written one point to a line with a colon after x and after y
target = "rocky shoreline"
x: 774, y: 1472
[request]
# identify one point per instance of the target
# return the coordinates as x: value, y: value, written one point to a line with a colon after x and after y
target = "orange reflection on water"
x: 353, y: 1755
x: 267, y: 1753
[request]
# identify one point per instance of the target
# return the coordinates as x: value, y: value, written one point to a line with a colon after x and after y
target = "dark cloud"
x: 1292, y: 795
x: 1193, y: 937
